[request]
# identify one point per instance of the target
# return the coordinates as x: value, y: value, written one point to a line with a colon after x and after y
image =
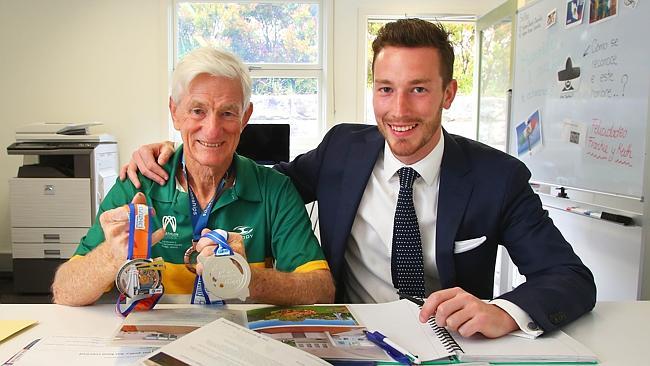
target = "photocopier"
x: 66, y: 172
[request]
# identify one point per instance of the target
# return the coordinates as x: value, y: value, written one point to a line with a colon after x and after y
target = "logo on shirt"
x: 245, y: 231
x: 169, y: 221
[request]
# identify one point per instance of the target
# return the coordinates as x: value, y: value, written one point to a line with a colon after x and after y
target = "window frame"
x: 275, y: 70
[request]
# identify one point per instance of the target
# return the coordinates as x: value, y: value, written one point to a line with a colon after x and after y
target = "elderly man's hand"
x: 464, y: 313
x: 149, y: 159
x: 115, y: 224
x: 206, y: 247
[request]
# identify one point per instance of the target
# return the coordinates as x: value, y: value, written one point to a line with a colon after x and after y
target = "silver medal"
x: 139, y: 277
x: 226, y: 277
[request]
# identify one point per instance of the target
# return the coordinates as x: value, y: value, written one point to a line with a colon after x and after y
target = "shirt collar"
x: 247, y: 186
x: 245, y: 172
x: 428, y: 167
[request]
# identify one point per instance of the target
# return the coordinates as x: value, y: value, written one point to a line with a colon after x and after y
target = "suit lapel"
x: 359, y: 163
x: 453, y: 195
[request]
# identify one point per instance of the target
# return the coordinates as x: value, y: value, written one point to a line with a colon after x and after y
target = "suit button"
x: 557, y: 318
x: 532, y: 326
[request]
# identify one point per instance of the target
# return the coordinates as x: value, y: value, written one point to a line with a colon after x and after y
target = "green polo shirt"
x: 263, y: 206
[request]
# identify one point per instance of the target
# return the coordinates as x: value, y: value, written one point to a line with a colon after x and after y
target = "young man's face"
x: 408, y: 98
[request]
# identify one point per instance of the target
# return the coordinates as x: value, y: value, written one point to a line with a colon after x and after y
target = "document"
x: 223, y: 342
x: 79, y: 351
x: 10, y: 327
x: 327, y: 331
x: 158, y: 327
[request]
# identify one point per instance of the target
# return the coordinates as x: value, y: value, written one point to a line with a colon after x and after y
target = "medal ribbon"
x: 200, y: 222
x: 219, y: 237
x: 139, y: 247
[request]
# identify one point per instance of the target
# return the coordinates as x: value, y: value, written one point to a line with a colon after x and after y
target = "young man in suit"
x: 466, y: 199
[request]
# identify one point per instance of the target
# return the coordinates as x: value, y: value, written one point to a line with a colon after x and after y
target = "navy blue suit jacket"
x: 483, y: 192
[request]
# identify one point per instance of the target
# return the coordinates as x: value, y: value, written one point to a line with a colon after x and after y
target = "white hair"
x: 209, y: 60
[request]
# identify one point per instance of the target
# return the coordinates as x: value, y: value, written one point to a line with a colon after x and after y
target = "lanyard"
x: 200, y: 219
x: 200, y: 222
x: 220, y: 237
x: 143, y: 296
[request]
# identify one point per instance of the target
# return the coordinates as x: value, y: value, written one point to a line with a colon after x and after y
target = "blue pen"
x: 399, y: 356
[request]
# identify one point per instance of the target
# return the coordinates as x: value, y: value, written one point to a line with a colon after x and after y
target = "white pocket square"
x: 469, y: 244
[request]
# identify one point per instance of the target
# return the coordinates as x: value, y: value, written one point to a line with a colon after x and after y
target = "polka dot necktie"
x: 407, y: 265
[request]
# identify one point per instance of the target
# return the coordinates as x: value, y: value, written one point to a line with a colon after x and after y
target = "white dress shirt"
x: 368, y: 253
x: 368, y: 271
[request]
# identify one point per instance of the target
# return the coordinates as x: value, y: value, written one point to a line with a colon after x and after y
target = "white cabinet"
x: 49, y: 215
x: 50, y: 202
x: 52, y: 242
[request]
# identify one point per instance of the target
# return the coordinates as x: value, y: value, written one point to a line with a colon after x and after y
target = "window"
x: 461, y: 117
x: 495, y: 81
x: 281, y: 43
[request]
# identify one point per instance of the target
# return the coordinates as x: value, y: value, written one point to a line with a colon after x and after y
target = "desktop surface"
x: 615, y: 331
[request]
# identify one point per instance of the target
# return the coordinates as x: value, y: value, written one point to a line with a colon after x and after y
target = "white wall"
x: 81, y: 60
x: 348, y: 47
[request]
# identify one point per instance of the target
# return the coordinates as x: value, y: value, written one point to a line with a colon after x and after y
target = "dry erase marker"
x: 625, y: 220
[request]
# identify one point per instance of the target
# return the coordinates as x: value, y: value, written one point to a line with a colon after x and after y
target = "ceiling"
x: 470, y: 7
x: 483, y: 6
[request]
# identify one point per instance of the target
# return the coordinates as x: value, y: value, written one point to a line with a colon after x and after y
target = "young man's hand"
x: 466, y: 314
x: 148, y: 159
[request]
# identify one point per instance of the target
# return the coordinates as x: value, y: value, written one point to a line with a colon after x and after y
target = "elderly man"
x: 260, y: 207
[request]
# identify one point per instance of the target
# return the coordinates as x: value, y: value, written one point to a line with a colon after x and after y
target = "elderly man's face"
x: 210, y: 118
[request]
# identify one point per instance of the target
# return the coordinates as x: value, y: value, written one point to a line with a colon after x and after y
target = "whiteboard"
x: 581, y: 123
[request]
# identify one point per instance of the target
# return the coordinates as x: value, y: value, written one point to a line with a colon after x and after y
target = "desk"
x: 616, y: 331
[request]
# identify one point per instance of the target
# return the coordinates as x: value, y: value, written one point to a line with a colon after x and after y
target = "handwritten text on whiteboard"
x: 609, y: 143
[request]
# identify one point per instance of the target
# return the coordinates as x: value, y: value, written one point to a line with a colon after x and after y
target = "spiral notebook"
x: 398, y: 320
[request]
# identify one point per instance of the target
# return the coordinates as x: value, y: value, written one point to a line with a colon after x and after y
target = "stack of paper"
x: 223, y: 342
x: 158, y: 327
x: 10, y: 327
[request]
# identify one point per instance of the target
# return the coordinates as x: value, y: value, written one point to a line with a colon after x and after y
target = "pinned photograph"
x: 569, y: 77
x: 551, y: 18
x: 574, y: 11
x: 529, y: 135
x: 601, y: 10
x: 573, y: 132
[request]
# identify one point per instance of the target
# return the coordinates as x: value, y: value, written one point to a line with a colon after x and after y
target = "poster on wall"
x: 600, y: 10
x: 529, y: 135
x: 574, y: 11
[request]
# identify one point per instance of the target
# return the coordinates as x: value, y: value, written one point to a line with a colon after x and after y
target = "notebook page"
x: 399, y: 321
x: 555, y: 346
